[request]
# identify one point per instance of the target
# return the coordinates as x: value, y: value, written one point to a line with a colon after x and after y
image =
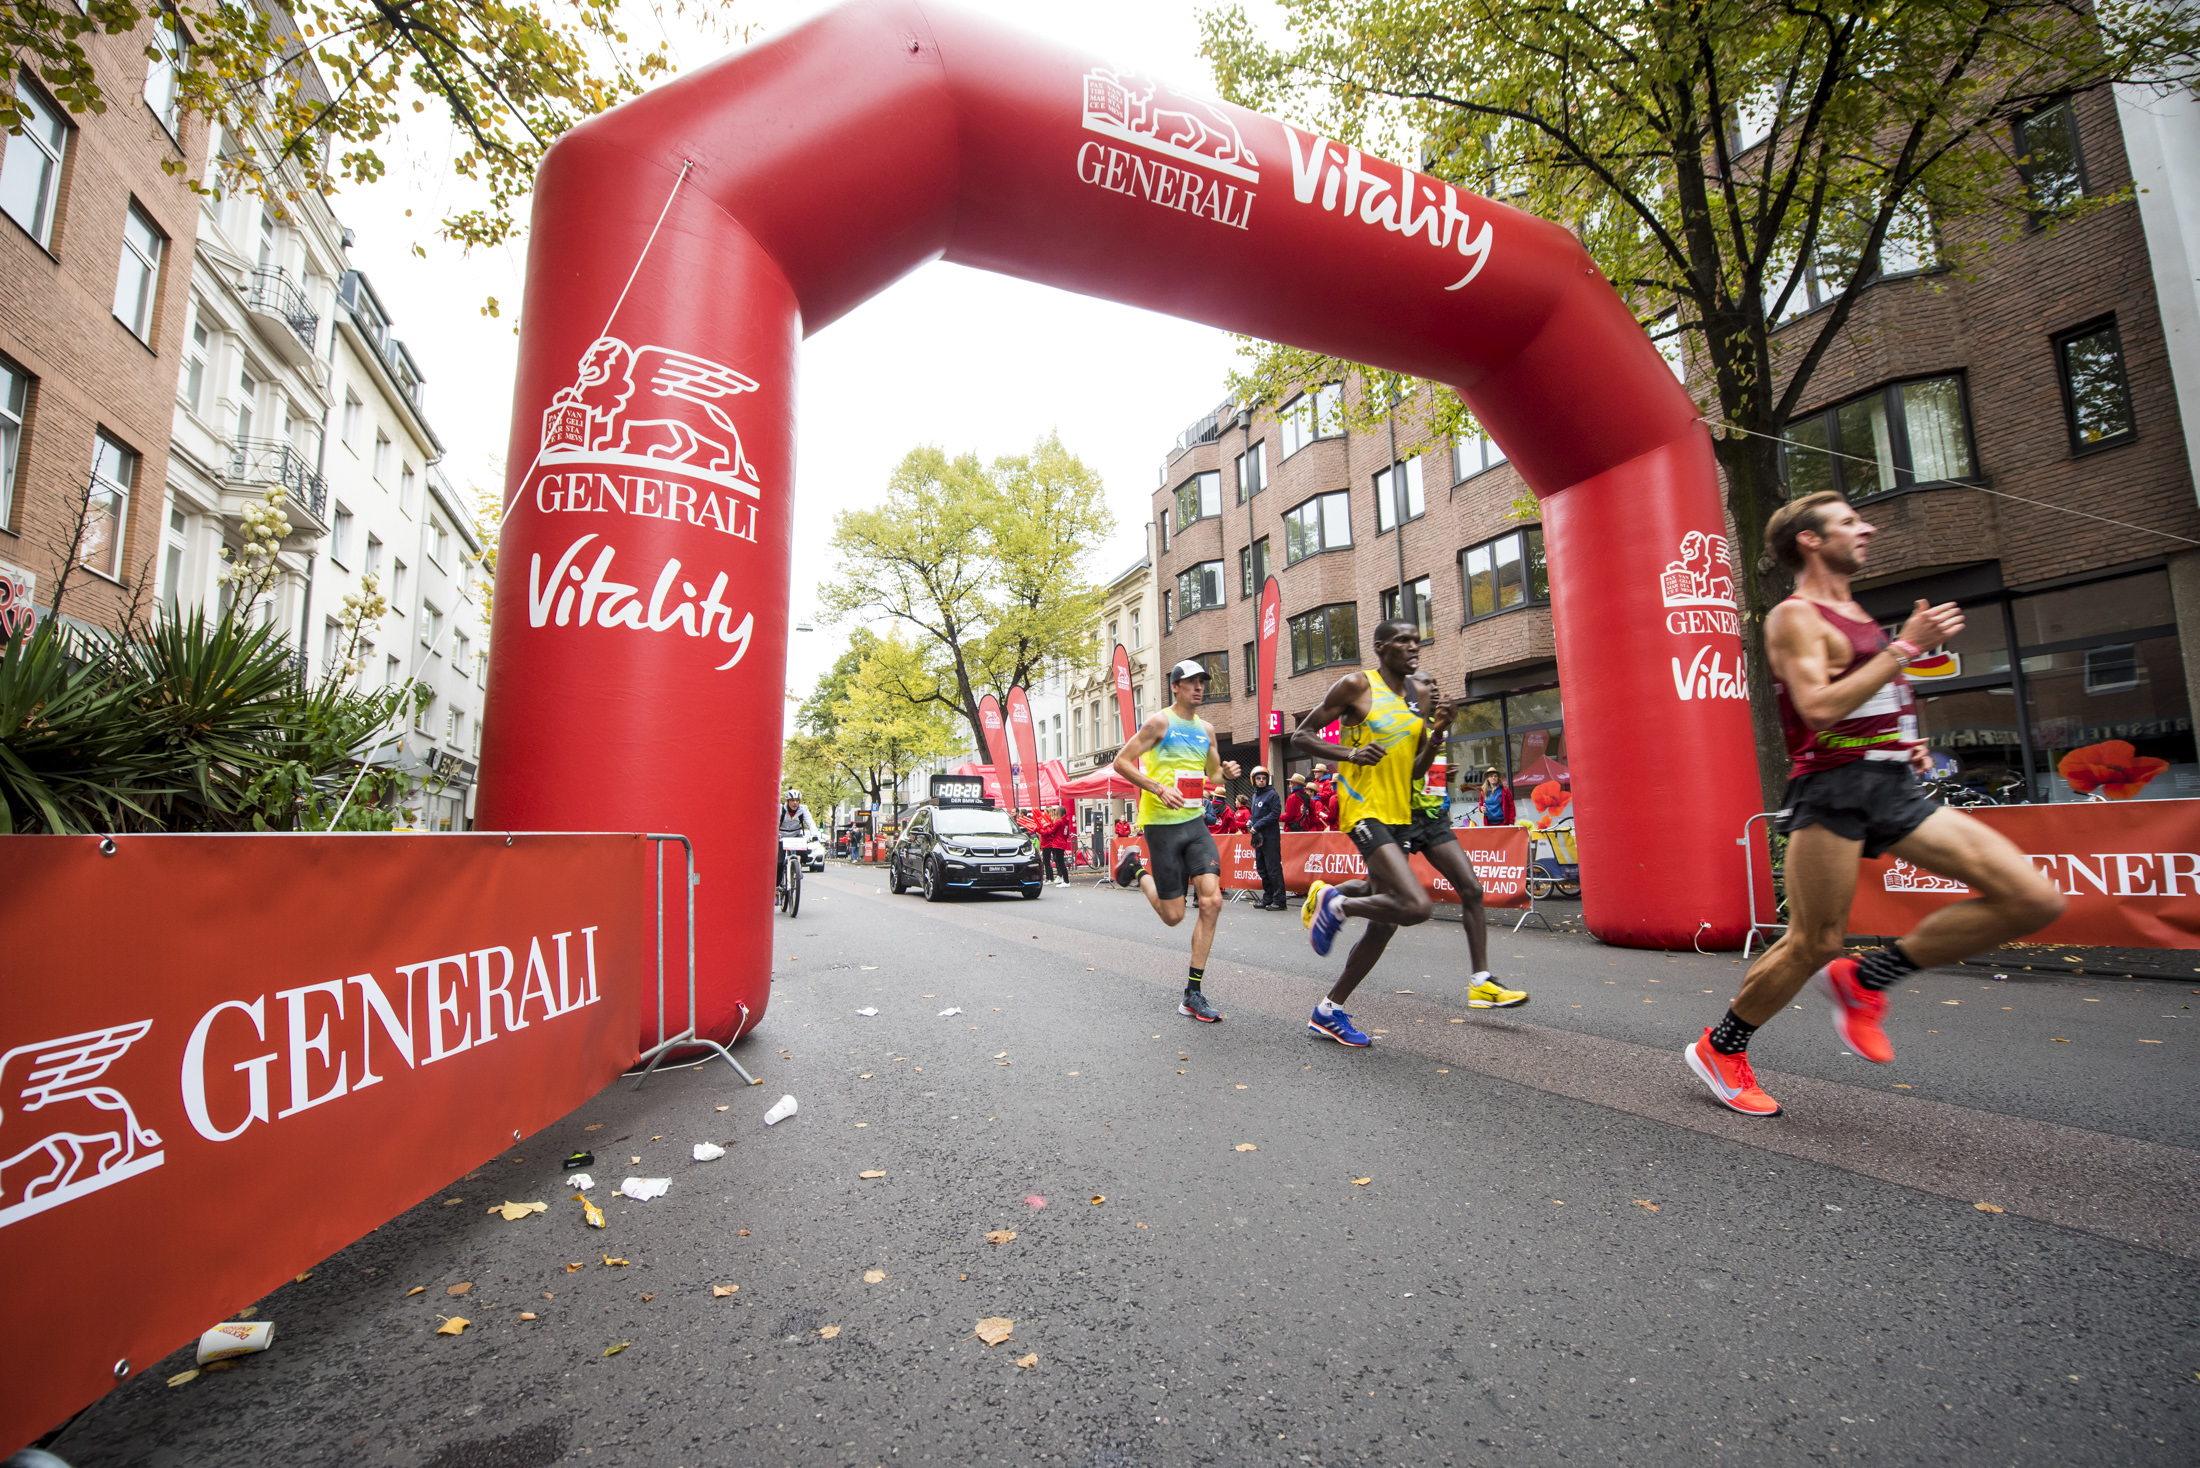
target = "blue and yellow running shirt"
x: 1182, y: 751
x: 1382, y: 791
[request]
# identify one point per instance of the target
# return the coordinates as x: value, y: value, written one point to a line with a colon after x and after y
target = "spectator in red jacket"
x: 1056, y: 832
x: 1497, y: 800
x: 1298, y: 807
x: 1240, y: 819
x: 1325, y: 808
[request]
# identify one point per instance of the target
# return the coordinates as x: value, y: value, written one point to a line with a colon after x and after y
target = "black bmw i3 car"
x: 964, y: 848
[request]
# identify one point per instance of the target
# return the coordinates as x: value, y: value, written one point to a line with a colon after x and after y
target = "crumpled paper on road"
x: 708, y: 1151
x: 642, y: 1189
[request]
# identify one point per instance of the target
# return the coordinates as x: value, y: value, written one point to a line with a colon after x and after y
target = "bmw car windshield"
x: 966, y: 822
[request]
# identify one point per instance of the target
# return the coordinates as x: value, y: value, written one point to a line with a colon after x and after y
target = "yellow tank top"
x: 1383, y: 791
x: 1180, y: 756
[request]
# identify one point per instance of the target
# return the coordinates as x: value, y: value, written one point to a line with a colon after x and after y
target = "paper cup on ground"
x: 783, y: 1108
x: 235, y: 1338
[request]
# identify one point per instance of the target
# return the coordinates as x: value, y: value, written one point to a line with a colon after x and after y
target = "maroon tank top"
x: 1882, y: 727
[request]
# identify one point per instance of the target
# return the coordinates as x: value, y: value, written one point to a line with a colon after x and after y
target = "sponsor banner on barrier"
x: 1498, y: 854
x: 224, y: 1058
x: 2129, y: 869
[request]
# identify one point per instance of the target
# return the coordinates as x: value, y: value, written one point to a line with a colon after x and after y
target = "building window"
x: 248, y: 396
x: 1252, y: 666
x: 1077, y: 730
x: 332, y: 642
x: 1166, y: 623
x: 455, y: 734
x: 1387, y: 492
x: 405, y: 489
x: 1252, y: 472
x: 2111, y: 669
x: 114, y: 476
x: 1138, y: 631
x: 1325, y: 636
x: 1312, y: 415
x: 339, y: 537
x: 397, y: 587
x: 352, y: 414
x: 1417, y: 598
x: 1217, y: 665
x: 30, y: 169
x: 439, y: 542
x: 1199, y: 588
x: 1470, y: 456
x: 1322, y: 523
x: 2050, y: 161
x: 1253, y: 567
x: 382, y: 458
x: 1504, y: 573
x: 372, y: 562
x: 171, y: 568
x: 137, y: 280
x: 391, y: 677
x: 15, y: 391
x: 420, y: 716
x: 2096, y: 395
x: 431, y: 624
x: 269, y: 240
x: 1199, y: 498
x: 1113, y: 639
x: 194, y: 366
x: 161, y: 93
x: 1896, y: 437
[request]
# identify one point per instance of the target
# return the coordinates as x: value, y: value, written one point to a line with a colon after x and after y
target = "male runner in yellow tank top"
x: 1171, y: 759
x: 1388, y: 745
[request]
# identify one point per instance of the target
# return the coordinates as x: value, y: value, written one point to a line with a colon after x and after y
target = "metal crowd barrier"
x: 1757, y: 925
x: 687, y: 1039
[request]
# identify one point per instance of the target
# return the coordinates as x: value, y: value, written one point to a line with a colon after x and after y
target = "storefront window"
x: 1523, y: 735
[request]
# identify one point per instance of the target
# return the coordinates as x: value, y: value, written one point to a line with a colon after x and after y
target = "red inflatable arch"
x: 684, y: 243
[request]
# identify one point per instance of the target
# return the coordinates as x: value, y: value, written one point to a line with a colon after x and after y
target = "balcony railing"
x: 1207, y: 429
x: 274, y: 292
x: 273, y: 461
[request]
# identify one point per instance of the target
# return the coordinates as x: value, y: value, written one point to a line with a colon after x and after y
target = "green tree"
x: 330, y: 81
x: 819, y: 713
x: 1743, y: 170
x: 811, y: 765
x: 987, y: 562
x: 882, y: 728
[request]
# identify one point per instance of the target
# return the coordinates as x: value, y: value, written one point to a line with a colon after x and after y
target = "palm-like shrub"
x: 186, y: 724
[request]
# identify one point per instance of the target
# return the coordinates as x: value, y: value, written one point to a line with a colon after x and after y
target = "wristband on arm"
x: 1905, y: 651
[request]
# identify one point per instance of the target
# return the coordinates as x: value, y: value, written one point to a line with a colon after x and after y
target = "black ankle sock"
x: 1730, y: 1036
x: 1879, y: 968
x: 1193, y: 981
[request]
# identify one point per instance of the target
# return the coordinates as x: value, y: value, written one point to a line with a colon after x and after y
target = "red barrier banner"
x: 223, y: 1058
x: 1498, y: 854
x: 2130, y: 869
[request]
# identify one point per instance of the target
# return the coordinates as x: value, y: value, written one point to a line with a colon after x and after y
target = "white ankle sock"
x: 1482, y: 976
x: 1327, y: 1006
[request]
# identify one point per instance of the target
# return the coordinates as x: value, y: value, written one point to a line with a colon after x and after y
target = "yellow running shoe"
x: 1489, y: 994
x: 1312, y: 904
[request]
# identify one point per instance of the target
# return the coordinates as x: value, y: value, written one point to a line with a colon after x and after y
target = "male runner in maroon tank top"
x: 1852, y: 740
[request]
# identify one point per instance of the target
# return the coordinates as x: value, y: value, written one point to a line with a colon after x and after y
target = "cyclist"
x: 795, y: 823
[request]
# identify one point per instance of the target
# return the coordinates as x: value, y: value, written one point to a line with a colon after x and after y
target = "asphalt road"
x: 1516, y: 1238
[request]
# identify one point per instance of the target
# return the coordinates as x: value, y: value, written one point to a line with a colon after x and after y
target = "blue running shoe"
x: 1337, y: 1025
x: 1322, y: 931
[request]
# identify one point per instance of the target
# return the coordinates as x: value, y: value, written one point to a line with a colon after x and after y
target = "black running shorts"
x: 1178, y: 852
x: 1876, y: 802
x: 1428, y: 831
x: 1367, y: 833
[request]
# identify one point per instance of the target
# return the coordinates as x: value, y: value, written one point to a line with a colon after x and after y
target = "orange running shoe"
x: 1856, y: 1009
x: 1730, y: 1078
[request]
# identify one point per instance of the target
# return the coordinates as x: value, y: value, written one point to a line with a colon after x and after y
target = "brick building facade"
x: 1978, y: 423
x: 95, y: 249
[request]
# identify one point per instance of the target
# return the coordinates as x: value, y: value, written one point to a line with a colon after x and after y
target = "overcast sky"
x: 951, y: 356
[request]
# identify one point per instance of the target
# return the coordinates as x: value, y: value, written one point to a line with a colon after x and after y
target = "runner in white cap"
x: 1171, y: 759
